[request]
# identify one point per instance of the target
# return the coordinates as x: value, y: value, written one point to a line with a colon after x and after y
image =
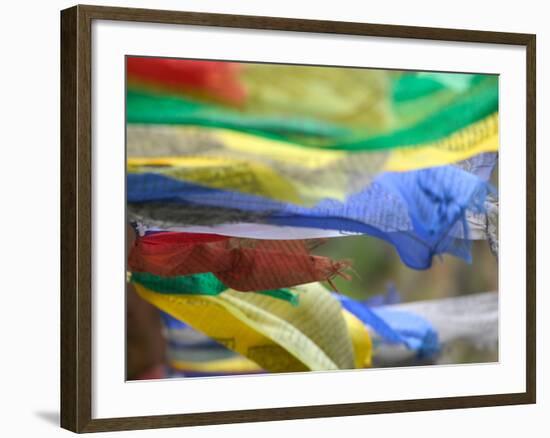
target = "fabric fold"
x: 241, y: 264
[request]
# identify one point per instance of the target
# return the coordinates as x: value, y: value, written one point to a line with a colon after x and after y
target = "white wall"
x: 30, y: 214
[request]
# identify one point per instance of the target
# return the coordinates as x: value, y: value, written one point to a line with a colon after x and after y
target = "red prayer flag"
x: 218, y: 79
x: 241, y: 264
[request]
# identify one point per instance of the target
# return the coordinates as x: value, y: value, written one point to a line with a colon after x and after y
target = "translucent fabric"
x: 250, y: 164
x: 241, y: 264
x: 280, y: 170
x: 396, y: 327
x: 470, y: 318
x: 279, y: 337
x: 391, y: 325
x: 421, y: 213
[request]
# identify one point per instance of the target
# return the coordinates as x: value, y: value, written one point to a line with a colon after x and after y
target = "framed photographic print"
x: 269, y: 218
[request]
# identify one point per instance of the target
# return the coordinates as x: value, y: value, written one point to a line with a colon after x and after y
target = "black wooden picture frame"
x: 76, y: 217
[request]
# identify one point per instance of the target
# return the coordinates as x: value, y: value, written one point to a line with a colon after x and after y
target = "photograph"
x: 288, y: 218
